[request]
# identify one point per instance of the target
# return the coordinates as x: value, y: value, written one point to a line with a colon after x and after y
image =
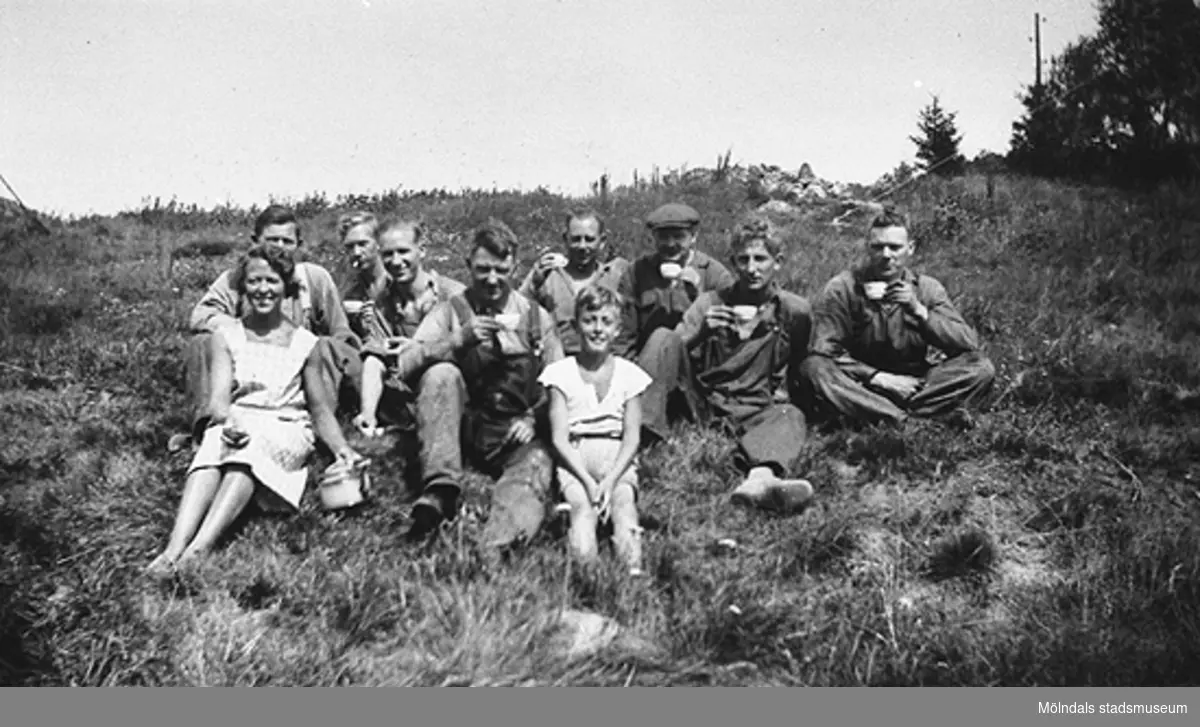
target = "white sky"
x: 106, y: 102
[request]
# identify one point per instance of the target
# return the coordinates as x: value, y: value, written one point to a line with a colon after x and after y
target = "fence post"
x: 166, y: 257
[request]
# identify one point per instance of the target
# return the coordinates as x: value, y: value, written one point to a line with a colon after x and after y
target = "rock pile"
x: 769, y: 182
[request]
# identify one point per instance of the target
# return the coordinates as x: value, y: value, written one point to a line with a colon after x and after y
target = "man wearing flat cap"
x: 658, y: 288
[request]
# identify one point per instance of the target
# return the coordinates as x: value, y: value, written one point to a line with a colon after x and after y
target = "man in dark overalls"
x: 741, y: 339
x: 481, y: 352
x: 657, y: 289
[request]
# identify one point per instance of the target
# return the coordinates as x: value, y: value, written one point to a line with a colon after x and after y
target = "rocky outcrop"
x: 769, y: 182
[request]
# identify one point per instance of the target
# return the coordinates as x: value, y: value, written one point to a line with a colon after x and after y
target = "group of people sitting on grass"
x: 552, y: 386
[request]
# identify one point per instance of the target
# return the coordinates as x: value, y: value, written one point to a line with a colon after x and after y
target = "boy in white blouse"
x: 595, y: 430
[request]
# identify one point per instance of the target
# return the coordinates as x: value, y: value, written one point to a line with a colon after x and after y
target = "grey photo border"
x: 895, y: 707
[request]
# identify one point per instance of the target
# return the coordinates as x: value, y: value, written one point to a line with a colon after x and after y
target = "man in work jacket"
x: 888, y: 343
x: 657, y: 289
x: 743, y: 339
x: 368, y: 278
x: 556, y: 279
x: 481, y: 353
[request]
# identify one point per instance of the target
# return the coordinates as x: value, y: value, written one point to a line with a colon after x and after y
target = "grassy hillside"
x: 1057, y: 543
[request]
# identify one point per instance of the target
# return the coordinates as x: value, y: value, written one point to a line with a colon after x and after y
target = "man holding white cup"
x: 888, y: 343
x: 556, y: 278
x: 368, y: 279
x: 657, y: 289
x: 478, y: 355
x: 743, y: 341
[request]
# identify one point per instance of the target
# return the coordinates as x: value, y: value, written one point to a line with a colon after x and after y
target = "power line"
x: 13, y: 192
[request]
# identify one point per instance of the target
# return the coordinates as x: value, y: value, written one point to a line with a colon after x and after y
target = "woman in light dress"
x: 268, y: 406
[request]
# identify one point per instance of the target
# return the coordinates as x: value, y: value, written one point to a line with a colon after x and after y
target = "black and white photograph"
x: 583, y: 343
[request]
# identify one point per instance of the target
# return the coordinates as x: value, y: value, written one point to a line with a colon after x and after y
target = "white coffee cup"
x: 556, y: 260
x: 875, y: 289
x: 670, y: 270
x: 353, y: 307
x: 508, y: 321
x: 744, y: 313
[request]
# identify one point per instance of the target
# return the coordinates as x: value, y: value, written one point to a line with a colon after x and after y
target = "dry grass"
x: 1055, y: 544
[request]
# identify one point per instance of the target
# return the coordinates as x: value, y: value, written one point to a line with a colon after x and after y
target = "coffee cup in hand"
x: 508, y: 321
x: 555, y: 260
x: 743, y: 314
x: 875, y: 289
x: 670, y: 270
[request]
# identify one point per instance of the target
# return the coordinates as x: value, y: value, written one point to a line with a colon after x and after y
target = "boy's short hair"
x: 275, y: 214
x: 754, y: 229
x: 595, y: 297
x: 582, y: 214
x: 389, y: 224
x: 495, y: 237
x: 891, y: 216
x: 277, y: 258
x: 350, y: 220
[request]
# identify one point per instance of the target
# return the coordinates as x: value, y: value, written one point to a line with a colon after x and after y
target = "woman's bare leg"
x: 237, y: 487
x: 198, y: 493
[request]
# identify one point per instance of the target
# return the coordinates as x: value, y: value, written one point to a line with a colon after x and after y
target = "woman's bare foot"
x: 190, y: 559
x: 162, y: 566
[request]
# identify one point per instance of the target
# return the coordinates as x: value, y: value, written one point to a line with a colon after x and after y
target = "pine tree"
x: 937, y: 145
x: 1037, y: 139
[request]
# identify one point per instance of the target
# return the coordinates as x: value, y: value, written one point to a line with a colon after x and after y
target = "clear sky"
x: 106, y: 102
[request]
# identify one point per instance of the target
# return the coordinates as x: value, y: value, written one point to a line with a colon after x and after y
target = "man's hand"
x: 397, y: 344
x: 367, y: 311
x: 719, y: 316
x: 690, y: 275
x: 520, y: 431
x: 903, y: 294
x: 546, y: 264
x: 900, y: 386
x: 480, y: 329
x: 367, y: 425
x: 781, y: 395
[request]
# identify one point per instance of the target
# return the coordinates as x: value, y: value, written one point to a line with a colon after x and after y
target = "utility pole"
x: 1037, y: 50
